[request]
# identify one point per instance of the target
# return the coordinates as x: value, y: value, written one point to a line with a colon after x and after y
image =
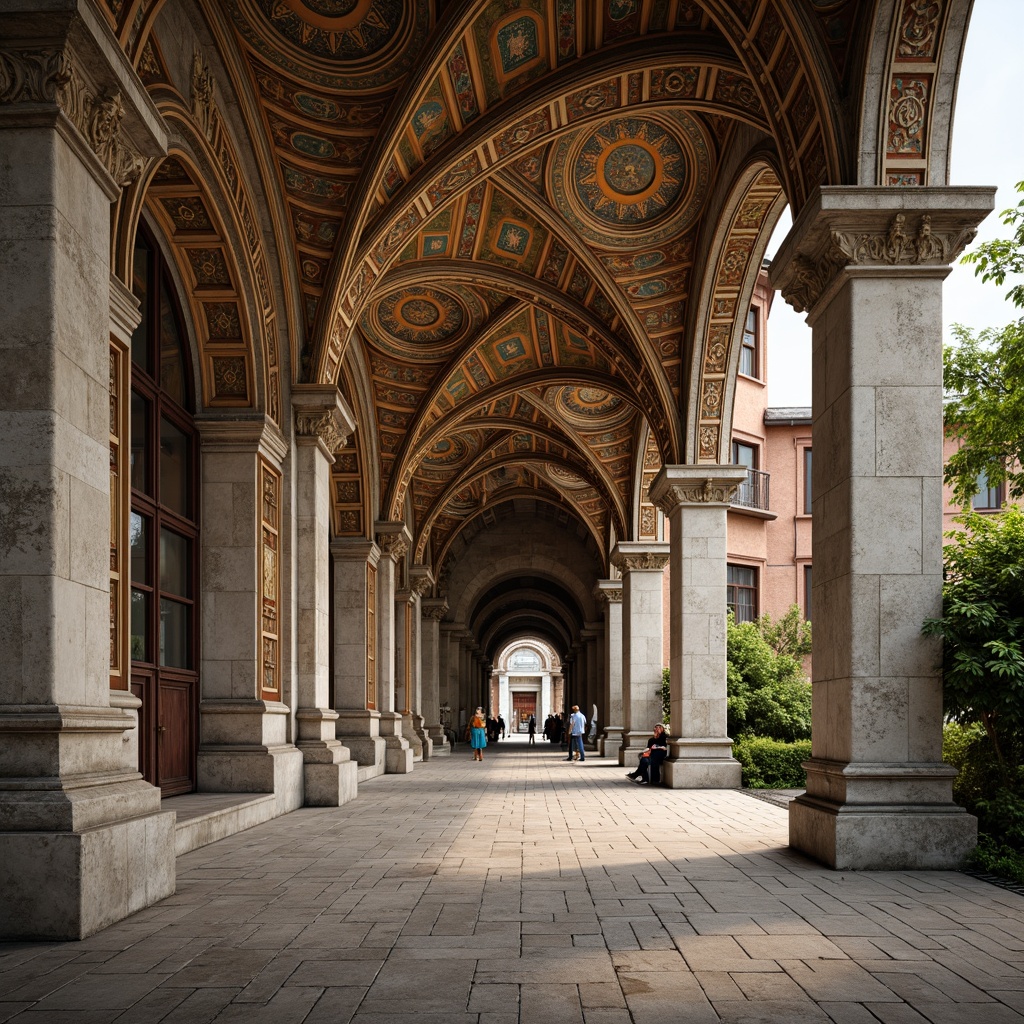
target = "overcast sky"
x: 988, y: 149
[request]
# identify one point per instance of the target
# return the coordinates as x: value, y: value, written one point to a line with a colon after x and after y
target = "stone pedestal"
x: 868, y: 264
x: 695, y: 499
x: 322, y: 423
x: 83, y: 842
x: 355, y: 651
x: 642, y: 566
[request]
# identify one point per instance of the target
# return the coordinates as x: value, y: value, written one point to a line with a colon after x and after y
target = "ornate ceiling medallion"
x: 629, y: 172
x: 633, y: 180
x: 590, y: 407
x: 423, y: 315
x: 335, y: 44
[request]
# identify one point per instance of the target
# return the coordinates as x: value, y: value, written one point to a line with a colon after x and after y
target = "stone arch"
x: 542, y: 650
x: 751, y: 209
x: 906, y: 120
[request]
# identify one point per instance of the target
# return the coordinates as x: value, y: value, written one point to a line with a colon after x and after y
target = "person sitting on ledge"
x: 649, y: 768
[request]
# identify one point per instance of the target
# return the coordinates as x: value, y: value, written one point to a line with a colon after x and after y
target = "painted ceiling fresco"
x: 508, y: 216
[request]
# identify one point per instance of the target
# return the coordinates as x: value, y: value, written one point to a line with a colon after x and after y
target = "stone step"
x: 204, y: 818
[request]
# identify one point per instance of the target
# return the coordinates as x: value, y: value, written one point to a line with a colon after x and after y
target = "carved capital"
x: 695, y: 485
x: 609, y: 596
x: 434, y: 609
x: 421, y: 580
x: 51, y: 77
x: 323, y: 427
x: 874, y: 227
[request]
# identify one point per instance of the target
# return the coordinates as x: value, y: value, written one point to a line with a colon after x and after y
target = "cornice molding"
x: 322, y: 417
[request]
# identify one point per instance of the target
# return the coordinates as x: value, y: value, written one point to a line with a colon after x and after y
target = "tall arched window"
x: 163, y: 531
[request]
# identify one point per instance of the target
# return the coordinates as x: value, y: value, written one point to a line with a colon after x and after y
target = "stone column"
x: 421, y: 581
x: 448, y: 669
x: 695, y: 499
x: 609, y: 594
x: 433, y: 662
x: 243, y: 723
x: 355, y: 652
x: 405, y: 656
x: 393, y: 539
x: 83, y: 840
x: 642, y: 566
x: 322, y: 424
x: 867, y: 264
x: 593, y: 634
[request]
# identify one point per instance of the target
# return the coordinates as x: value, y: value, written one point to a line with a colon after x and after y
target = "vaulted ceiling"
x: 511, y: 219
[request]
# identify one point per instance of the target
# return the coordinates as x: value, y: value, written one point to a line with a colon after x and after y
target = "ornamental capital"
x: 633, y: 556
x: 434, y: 608
x: 393, y: 539
x: 52, y: 76
x: 702, y: 484
x: 322, y: 417
x: 880, y: 228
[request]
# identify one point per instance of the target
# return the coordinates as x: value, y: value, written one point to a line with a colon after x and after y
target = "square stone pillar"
x: 868, y: 264
x: 695, y: 499
x: 322, y: 423
x: 642, y: 565
x: 394, y: 540
x: 593, y: 637
x: 83, y: 842
x: 355, y: 651
x: 609, y: 594
x: 406, y: 658
x: 433, y: 661
x: 243, y: 719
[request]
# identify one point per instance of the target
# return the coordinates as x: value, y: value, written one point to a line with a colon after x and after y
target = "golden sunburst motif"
x: 629, y: 172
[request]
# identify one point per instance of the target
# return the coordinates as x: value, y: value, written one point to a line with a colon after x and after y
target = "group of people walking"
x: 482, y: 728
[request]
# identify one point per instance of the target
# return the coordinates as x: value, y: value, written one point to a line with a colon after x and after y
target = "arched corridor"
x: 524, y: 890
x: 346, y: 343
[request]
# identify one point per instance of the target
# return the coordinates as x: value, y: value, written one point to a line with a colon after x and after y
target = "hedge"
x: 772, y: 764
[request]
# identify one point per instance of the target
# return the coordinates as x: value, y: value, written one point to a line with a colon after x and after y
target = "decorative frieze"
x: 202, y: 94
x: 608, y: 596
x: 641, y: 560
x: 322, y: 426
x: 50, y: 76
x: 696, y: 485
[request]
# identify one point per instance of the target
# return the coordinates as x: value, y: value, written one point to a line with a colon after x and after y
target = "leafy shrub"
x: 772, y: 764
x: 768, y: 693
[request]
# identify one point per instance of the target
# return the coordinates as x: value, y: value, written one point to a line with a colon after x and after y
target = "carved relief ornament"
x: 708, y: 491
x: 202, y: 94
x: 899, y: 245
x: 323, y: 426
x: 393, y: 544
x: 435, y: 611
x: 641, y: 560
x: 50, y: 76
x: 609, y: 596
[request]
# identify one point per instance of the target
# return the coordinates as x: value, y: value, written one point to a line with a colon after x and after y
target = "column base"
x: 881, y: 817
x: 398, y: 755
x: 411, y: 736
x: 359, y: 730
x: 253, y: 769
x: 701, y: 764
x: 609, y: 741
x: 423, y: 736
x: 68, y: 885
x: 631, y: 746
x: 439, y: 746
x: 330, y: 785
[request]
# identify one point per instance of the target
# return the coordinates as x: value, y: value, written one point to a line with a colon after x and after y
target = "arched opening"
x: 163, y: 530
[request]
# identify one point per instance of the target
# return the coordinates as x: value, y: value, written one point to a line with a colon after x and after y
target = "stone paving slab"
x: 525, y: 890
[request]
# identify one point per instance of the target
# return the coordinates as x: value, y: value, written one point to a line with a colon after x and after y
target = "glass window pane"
x: 807, y: 481
x: 138, y: 536
x: 175, y: 564
x: 140, y: 444
x: 174, y: 468
x: 175, y: 650
x: 172, y: 368
x: 140, y: 618
x: 142, y: 285
x: 747, y: 361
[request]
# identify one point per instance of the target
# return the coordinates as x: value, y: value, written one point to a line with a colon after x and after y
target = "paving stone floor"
x: 525, y: 889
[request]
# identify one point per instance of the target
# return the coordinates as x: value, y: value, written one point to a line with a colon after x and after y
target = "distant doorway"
x: 523, y: 706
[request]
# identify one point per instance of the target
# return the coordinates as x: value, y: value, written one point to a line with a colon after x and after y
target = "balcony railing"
x: 753, y: 492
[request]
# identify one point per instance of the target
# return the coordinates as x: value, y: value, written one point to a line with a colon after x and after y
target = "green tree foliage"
x: 982, y: 376
x: 982, y: 626
x: 768, y: 692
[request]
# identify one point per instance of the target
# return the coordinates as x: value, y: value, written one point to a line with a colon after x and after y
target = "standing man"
x: 501, y: 725
x: 577, y: 727
x: 532, y: 728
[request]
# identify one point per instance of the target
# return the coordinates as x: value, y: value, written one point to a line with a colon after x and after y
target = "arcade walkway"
x: 525, y: 889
